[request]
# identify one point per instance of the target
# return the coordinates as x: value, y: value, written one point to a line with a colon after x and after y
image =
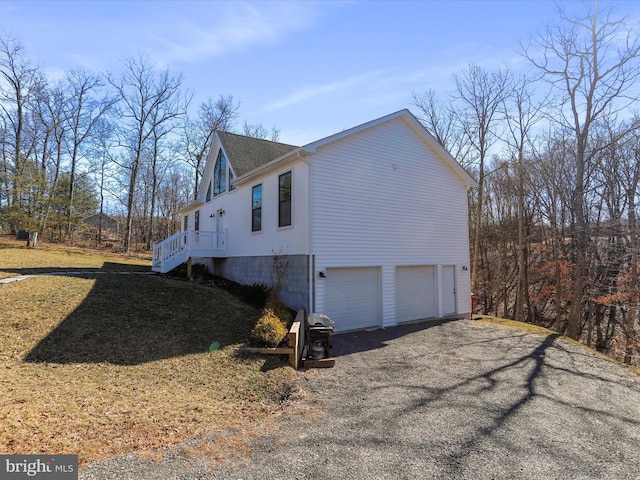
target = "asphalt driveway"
x: 461, y: 399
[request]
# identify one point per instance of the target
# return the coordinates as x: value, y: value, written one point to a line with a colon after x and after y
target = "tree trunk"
x: 633, y: 287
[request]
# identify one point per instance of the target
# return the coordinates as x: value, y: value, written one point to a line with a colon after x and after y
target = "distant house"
x: 372, y: 222
x: 109, y: 224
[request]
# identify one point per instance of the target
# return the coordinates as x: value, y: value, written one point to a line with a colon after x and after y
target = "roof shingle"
x: 248, y: 153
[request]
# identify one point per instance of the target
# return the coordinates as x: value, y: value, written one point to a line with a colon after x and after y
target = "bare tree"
x: 213, y: 115
x: 256, y: 130
x: 85, y: 109
x: 442, y: 121
x: 148, y: 99
x: 522, y: 113
x: 592, y: 62
x: 20, y: 80
x: 50, y: 110
x: 480, y: 94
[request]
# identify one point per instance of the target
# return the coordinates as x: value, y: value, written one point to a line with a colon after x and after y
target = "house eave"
x: 268, y: 167
x: 417, y: 126
x: 190, y: 207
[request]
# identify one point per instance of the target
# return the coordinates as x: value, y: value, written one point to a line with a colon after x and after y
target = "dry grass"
x: 527, y: 327
x: 104, y: 364
x: 16, y: 258
x: 504, y: 322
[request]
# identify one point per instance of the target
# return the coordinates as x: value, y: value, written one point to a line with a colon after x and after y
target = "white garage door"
x: 415, y: 293
x: 352, y: 297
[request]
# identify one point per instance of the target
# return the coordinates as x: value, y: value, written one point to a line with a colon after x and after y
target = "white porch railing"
x: 177, y: 249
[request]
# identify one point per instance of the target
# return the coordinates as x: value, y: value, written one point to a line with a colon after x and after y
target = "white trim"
x: 269, y: 167
x: 189, y: 208
x: 291, y: 202
x: 417, y: 126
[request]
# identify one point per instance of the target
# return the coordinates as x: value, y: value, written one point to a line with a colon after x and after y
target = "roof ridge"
x: 256, y: 138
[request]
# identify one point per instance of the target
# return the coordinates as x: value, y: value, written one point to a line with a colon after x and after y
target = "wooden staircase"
x: 180, y: 246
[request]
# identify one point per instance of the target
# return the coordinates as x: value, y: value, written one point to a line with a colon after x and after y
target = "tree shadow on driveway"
x: 469, y: 400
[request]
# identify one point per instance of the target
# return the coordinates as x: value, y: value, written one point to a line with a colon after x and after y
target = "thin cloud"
x: 231, y: 27
x: 310, y: 92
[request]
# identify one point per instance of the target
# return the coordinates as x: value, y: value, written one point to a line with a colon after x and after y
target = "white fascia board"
x: 188, y: 208
x: 270, y: 166
x: 313, y: 146
x: 417, y: 126
x: 208, y: 167
x: 446, y: 157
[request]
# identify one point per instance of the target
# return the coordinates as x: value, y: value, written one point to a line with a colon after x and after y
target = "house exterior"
x: 370, y: 223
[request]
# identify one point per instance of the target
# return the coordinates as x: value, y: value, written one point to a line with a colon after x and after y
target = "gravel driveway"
x: 461, y: 399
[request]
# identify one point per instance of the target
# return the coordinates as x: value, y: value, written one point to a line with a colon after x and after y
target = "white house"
x: 372, y: 222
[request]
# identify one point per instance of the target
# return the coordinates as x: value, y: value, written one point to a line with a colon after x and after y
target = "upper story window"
x: 209, y: 192
x: 186, y: 223
x: 231, y: 178
x: 220, y: 174
x: 284, y: 200
x: 196, y: 222
x: 256, y: 208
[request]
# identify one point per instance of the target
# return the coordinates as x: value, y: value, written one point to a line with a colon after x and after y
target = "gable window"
x: 231, y: 177
x: 209, y: 193
x: 256, y: 208
x: 220, y: 175
x: 284, y: 200
x: 196, y: 222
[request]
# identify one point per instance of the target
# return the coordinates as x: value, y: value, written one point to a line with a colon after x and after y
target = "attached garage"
x: 415, y: 293
x: 352, y: 297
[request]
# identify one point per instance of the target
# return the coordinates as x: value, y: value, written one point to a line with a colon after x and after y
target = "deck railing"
x: 176, y: 249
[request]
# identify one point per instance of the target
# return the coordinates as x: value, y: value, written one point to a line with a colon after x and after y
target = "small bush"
x: 255, y: 294
x: 200, y: 272
x: 269, y: 331
x: 279, y: 309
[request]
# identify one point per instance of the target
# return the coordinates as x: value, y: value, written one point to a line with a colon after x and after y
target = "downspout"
x: 311, y: 263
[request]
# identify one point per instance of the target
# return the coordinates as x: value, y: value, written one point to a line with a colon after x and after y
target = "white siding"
x: 382, y: 198
x: 236, y: 204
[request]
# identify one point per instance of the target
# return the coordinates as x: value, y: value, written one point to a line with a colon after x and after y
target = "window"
x: 197, y: 220
x: 209, y: 193
x: 284, y: 200
x: 220, y: 175
x: 256, y: 208
x: 186, y: 223
x: 231, y: 177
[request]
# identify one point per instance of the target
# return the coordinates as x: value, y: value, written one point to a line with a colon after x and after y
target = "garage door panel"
x: 415, y: 293
x: 352, y: 297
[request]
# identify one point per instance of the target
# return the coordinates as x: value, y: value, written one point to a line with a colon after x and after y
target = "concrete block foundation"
x: 260, y: 269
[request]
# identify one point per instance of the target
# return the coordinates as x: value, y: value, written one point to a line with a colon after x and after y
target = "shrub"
x: 255, y: 294
x: 279, y: 309
x: 269, y: 331
x: 200, y: 272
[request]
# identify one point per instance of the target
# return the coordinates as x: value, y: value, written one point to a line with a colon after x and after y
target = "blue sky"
x: 310, y: 69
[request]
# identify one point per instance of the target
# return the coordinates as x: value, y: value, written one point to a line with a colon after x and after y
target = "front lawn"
x: 104, y: 364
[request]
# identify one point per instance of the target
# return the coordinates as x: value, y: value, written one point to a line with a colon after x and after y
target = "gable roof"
x: 251, y: 157
x: 416, y: 125
x: 247, y: 153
